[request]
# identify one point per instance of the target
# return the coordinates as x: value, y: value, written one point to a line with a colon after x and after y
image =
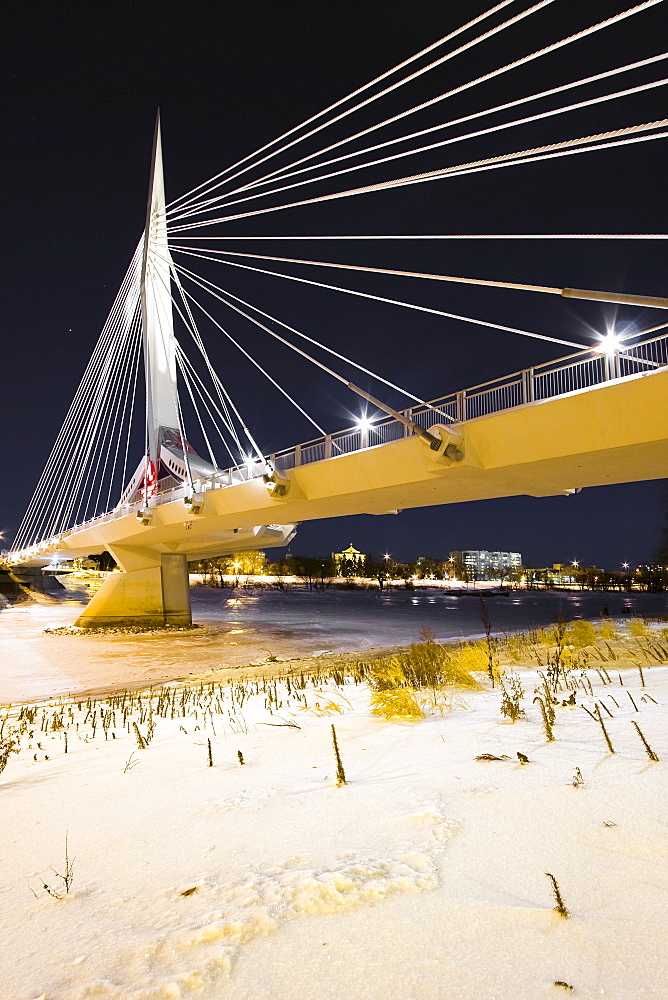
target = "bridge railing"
x: 581, y: 374
x: 553, y: 378
x: 645, y: 356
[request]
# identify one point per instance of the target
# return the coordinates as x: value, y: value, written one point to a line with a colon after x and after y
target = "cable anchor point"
x: 446, y: 444
x: 277, y: 487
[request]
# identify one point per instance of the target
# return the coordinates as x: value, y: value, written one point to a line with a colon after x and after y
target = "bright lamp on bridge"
x: 609, y: 344
x: 364, y: 424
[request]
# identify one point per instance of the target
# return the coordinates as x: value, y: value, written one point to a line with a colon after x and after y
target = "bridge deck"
x: 612, y: 433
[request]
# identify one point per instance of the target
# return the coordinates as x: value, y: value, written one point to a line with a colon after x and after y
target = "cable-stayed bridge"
x: 594, y: 416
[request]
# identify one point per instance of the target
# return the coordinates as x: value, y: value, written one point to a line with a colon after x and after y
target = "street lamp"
x: 609, y: 344
x: 364, y: 425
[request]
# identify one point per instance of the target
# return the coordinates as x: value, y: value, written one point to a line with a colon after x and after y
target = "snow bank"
x: 422, y: 878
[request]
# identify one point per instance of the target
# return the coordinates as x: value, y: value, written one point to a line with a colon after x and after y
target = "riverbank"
x: 243, y: 629
x: 451, y: 586
x: 262, y: 582
x: 38, y: 663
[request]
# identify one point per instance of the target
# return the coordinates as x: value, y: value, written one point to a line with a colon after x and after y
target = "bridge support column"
x: 175, y: 589
x: 152, y: 590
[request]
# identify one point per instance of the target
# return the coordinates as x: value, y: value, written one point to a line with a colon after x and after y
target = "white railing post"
x: 328, y: 445
x: 461, y: 406
x: 298, y: 455
x: 611, y: 365
x: 409, y: 414
x: 616, y: 365
x: 527, y: 385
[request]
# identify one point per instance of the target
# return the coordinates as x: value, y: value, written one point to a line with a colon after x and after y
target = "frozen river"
x: 362, y: 619
x: 240, y: 627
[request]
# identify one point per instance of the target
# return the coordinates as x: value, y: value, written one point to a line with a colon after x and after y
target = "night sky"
x: 82, y: 84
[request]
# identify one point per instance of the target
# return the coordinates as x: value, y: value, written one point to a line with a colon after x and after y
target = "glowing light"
x: 575, y: 563
x: 609, y: 344
x: 625, y: 565
x: 387, y: 556
x: 364, y: 424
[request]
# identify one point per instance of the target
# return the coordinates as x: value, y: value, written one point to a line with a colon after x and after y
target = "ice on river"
x: 239, y: 626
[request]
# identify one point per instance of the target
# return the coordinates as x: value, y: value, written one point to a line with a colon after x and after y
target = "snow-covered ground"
x: 423, y: 878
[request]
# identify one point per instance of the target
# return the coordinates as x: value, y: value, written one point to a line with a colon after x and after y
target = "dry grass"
x: 511, y: 700
x: 468, y: 659
x: 340, y: 773
x: 430, y: 665
x: 607, y: 630
x: 561, y: 907
x: 397, y: 703
x: 405, y: 684
x: 425, y: 667
x: 6, y: 747
x: 580, y: 634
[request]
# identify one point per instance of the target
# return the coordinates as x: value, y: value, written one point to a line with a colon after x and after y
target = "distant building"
x: 561, y: 575
x: 350, y: 562
x: 480, y: 564
x: 566, y: 575
x: 83, y: 564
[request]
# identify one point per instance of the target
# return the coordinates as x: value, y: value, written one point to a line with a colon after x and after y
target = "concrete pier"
x: 148, y: 595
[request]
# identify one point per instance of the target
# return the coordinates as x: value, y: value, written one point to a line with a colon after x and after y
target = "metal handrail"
x: 563, y: 364
x: 519, y: 378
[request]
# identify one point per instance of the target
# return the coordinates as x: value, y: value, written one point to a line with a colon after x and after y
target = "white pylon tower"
x: 162, y: 408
